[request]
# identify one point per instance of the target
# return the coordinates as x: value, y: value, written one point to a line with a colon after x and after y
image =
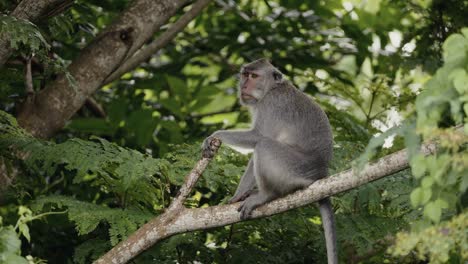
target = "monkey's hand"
x: 245, y: 210
x: 210, y: 146
x: 240, y: 197
x: 250, y: 203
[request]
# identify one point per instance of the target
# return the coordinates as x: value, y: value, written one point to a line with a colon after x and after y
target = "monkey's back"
x: 289, y: 116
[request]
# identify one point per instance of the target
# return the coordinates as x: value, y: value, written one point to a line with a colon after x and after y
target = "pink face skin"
x: 249, y: 82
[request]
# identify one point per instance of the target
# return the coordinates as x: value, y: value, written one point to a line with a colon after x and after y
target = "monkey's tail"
x: 329, y: 228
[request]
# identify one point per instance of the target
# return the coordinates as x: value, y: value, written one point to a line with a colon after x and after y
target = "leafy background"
x: 397, y: 69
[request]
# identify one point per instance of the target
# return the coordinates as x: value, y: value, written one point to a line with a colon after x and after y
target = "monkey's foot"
x: 241, y: 197
x: 246, y: 210
x: 210, y: 146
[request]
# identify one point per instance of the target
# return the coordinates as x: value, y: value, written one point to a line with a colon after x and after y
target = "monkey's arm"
x: 241, y: 138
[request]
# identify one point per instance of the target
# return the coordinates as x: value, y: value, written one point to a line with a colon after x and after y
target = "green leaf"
x: 9, y: 241
x: 452, y: 47
x: 460, y: 80
x: 438, y: 167
x: 465, y: 32
x: 12, y: 258
x: 420, y: 196
x: 178, y: 88
x: 427, y: 182
x: 464, y: 183
x: 441, y: 203
x: 433, y: 211
x: 172, y: 105
x: 24, y: 230
x: 141, y: 124
x: 418, y: 165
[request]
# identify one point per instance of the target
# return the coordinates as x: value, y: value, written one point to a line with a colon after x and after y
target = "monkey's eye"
x: 254, y: 75
x: 245, y: 74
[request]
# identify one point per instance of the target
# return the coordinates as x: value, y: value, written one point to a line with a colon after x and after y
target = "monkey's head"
x: 256, y: 80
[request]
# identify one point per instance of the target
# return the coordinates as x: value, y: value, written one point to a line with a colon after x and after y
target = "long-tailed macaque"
x: 292, y: 142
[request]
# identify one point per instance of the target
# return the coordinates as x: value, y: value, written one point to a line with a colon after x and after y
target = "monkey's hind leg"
x: 253, y: 201
x: 246, y: 185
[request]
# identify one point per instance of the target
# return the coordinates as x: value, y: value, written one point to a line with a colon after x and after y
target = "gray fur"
x: 292, y: 142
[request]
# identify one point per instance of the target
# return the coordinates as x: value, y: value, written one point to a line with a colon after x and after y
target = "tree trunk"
x: 160, y: 42
x: 50, y: 108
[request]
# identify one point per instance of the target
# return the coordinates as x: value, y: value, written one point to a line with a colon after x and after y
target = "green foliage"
x: 10, y: 243
x: 442, y: 176
x: 115, y: 170
x: 90, y: 250
x: 343, y: 53
x: 446, y: 93
x: 10, y: 246
x: 22, y: 32
x: 87, y: 216
x: 442, y: 243
x: 376, y: 211
x: 376, y: 142
x: 132, y: 176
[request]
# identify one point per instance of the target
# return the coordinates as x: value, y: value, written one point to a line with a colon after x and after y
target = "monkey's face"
x: 256, y: 80
x: 253, y: 86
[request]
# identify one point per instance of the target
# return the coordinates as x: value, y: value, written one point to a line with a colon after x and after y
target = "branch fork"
x: 159, y: 227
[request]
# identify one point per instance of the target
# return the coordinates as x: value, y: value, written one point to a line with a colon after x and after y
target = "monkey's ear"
x: 277, y: 76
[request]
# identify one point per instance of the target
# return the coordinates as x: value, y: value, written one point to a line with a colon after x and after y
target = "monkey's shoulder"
x: 286, y: 98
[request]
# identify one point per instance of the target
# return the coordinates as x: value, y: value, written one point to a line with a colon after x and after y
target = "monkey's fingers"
x: 239, y: 198
x: 234, y: 200
x: 210, y: 146
x: 207, y: 154
x: 245, y: 211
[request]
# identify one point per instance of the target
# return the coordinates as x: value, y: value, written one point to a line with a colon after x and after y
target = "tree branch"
x: 134, y: 244
x: 28, y: 77
x: 59, y: 100
x: 30, y: 10
x: 159, y: 43
x: 95, y: 107
x: 190, y: 219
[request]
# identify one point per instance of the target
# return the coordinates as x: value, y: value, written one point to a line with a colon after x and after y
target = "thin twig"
x: 28, y: 77
x: 95, y: 107
x: 192, y: 178
x: 152, y: 232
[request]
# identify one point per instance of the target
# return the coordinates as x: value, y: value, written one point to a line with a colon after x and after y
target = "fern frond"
x: 87, y: 216
x: 22, y: 32
x: 131, y: 175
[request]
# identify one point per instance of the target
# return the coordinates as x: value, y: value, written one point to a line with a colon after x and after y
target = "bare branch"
x: 95, y: 107
x: 159, y: 43
x: 192, y: 178
x: 133, y: 246
x: 28, y: 77
x: 185, y: 220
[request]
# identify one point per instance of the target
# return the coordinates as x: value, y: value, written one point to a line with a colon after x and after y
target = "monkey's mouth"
x: 247, y: 96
